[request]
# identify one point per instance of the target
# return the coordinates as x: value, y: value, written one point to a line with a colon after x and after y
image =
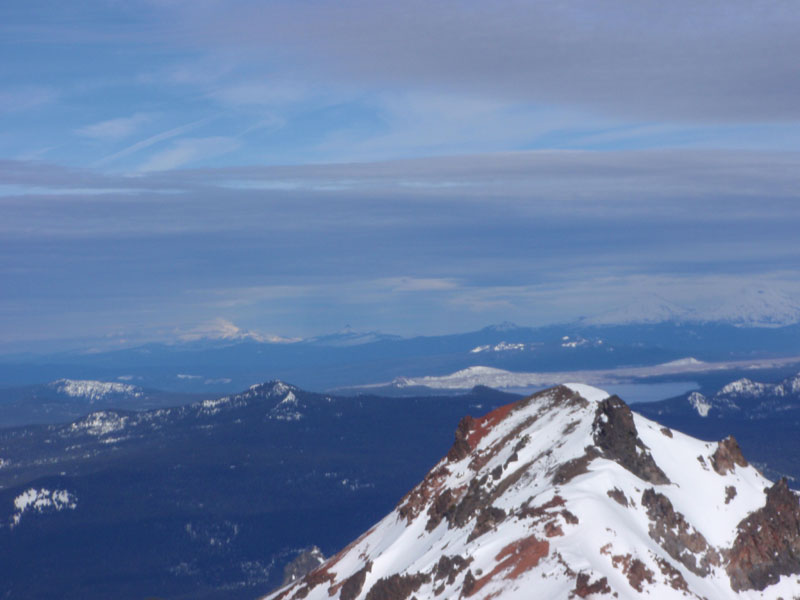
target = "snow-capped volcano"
x: 568, y: 494
x: 757, y: 308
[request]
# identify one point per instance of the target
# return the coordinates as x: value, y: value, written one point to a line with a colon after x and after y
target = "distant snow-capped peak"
x: 225, y: 330
x: 645, y: 310
x: 757, y: 307
x: 749, y: 307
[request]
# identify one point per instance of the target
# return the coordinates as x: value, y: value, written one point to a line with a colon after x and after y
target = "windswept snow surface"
x: 523, y: 512
x: 589, y: 392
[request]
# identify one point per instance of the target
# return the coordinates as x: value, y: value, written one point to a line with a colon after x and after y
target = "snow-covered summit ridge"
x: 591, y: 393
x: 572, y: 495
x: 95, y: 390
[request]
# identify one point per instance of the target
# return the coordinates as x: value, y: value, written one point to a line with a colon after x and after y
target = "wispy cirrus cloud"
x: 115, y: 129
x: 22, y: 98
x: 150, y: 141
x: 189, y: 150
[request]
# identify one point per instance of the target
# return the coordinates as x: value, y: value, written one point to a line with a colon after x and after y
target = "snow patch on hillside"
x: 100, y: 423
x: 501, y: 347
x: 286, y: 409
x: 700, y: 404
x: 683, y: 362
x: 42, y: 500
x: 95, y: 390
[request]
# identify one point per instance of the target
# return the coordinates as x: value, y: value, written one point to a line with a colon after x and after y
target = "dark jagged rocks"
x: 461, y: 448
x: 727, y: 456
x: 616, y: 436
x: 353, y: 585
x: 768, y: 543
x: 673, y: 533
x: 397, y: 587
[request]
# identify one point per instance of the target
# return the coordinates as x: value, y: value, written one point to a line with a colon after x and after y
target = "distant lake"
x: 634, y: 392
x: 650, y: 392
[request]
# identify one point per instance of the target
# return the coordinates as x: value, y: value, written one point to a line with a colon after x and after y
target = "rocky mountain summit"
x: 568, y: 494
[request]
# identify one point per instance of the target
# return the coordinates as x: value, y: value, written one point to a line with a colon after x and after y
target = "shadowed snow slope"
x: 568, y: 494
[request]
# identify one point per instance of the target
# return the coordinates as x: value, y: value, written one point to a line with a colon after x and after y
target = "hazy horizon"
x: 291, y: 168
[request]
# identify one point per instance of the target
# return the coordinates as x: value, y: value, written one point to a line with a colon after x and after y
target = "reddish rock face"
x: 768, y: 543
x: 727, y: 455
x: 514, y: 560
x: 461, y: 448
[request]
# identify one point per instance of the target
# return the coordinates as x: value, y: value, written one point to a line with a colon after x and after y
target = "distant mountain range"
x: 218, y: 366
x: 567, y: 494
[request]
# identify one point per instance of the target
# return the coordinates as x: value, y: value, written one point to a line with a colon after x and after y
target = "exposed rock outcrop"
x: 673, y: 533
x: 616, y: 436
x: 727, y: 456
x: 768, y: 543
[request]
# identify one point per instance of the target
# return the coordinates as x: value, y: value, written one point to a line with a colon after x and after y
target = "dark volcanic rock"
x: 397, y: 587
x: 449, y: 567
x: 461, y: 448
x: 487, y: 520
x: 353, y: 584
x: 727, y: 455
x: 476, y: 499
x: 619, y: 496
x: 577, y: 466
x: 441, y: 506
x: 673, y: 533
x: 616, y: 436
x: 768, y: 543
x: 584, y: 587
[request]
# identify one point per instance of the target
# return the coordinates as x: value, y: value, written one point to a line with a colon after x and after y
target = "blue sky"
x: 413, y: 167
